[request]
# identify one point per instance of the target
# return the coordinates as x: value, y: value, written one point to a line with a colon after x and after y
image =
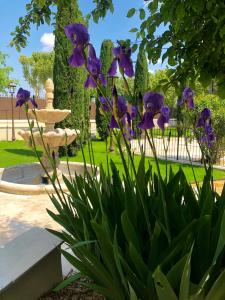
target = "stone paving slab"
x: 19, y: 213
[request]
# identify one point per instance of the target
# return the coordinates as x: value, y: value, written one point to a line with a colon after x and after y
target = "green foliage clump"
x: 69, y: 82
x: 145, y: 238
x: 106, y: 59
x: 37, y: 68
x: 4, y: 73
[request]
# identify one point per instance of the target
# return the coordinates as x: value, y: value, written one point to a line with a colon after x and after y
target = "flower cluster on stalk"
x: 153, y: 102
x: 80, y: 39
x: 205, y: 123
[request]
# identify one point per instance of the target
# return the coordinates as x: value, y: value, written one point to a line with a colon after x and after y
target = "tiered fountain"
x: 51, y: 138
x: 31, y: 178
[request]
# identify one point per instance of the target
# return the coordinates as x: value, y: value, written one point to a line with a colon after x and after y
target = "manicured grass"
x: 13, y: 153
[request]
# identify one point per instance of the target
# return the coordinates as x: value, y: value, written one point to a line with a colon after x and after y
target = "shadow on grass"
x: 23, y: 152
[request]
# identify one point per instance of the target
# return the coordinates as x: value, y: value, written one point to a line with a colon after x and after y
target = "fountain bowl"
x: 49, y: 115
x: 23, y: 179
x: 55, y: 138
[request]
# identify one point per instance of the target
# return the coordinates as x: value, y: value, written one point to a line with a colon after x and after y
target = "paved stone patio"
x: 19, y: 213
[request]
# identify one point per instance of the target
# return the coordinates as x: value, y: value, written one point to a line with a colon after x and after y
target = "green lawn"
x: 13, y: 153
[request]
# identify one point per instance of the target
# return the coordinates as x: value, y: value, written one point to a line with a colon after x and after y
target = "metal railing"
x: 173, y: 146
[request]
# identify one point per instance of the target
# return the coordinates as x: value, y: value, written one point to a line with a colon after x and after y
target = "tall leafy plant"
x: 138, y: 235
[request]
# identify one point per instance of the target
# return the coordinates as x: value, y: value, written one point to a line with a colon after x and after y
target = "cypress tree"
x: 140, y: 84
x: 68, y: 81
x: 141, y: 74
x: 106, y: 59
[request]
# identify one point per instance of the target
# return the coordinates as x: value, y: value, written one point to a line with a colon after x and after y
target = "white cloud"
x: 151, y: 71
x: 47, y: 41
x: 159, y: 62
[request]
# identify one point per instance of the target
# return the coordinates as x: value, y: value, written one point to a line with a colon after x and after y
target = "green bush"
x: 145, y: 238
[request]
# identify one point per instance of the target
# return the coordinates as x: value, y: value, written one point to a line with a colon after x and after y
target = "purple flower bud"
x: 134, y: 112
x: 188, y: 95
x: 121, y: 111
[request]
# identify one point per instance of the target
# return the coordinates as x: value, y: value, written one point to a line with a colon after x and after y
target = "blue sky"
x: 114, y: 27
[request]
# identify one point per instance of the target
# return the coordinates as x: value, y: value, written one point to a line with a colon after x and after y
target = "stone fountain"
x: 51, y: 138
x: 31, y: 178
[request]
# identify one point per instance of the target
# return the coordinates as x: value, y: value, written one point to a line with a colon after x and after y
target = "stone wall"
x: 19, y: 113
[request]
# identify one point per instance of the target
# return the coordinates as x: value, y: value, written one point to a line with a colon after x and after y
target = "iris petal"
x: 77, y: 58
x: 102, y: 79
x: 153, y: 102
x: 113, y: 123
x: 92, y: 53
x: 147, y: 121
x: 113, y: 68
x: 126, y: 63
x: 90, y: 82
x: 77, y: 34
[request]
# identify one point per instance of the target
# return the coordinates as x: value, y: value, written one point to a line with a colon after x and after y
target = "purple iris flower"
x: 104, y: 104
x: 154, y: 104
x: 164, y: 117
x: 122, y: 113
x: 123, y: 59
x: 23, y: 96
x: 94, y: 66
x: 188, y: 97
x: 205, y: 115
x: 209, y: 136
x: 78, y: 34
x: 204, y: 121
x: 134, y: 112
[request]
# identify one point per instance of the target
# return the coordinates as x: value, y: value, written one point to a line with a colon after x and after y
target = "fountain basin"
x: 22, y: 179
x: 50, y: 115
x: 55, y: 138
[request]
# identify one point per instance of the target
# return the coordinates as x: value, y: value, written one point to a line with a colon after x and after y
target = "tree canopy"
x: 37, y: 68
x: 4, y: 73
x: 191, y: 35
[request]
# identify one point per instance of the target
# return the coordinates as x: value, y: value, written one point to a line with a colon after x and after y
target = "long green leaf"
x: 217, y: 292
x: 67, y: 281
x: 129, y: 230
x: 185, y: 279
x: 163, y: 287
